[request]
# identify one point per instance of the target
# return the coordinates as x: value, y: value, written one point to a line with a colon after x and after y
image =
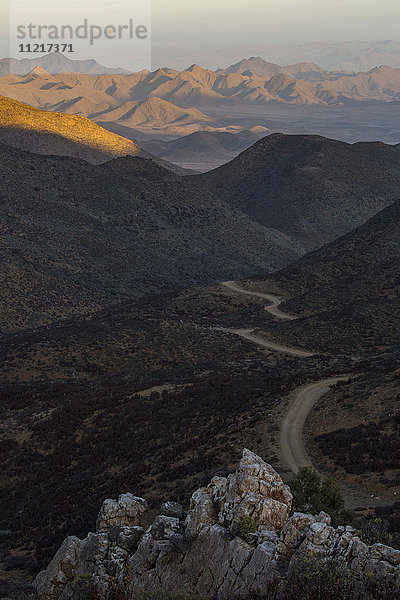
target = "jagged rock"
x: 202, y: 512
x: 127, y: 510
x: 293, y: 534
x: 201, y: 554
x: 172, y: 509
x: 323, y: 517
x: 163, y: 527
x: 257, y: 491
x: 319, y: 533
x: 129, y: 537
x: 52, y: 582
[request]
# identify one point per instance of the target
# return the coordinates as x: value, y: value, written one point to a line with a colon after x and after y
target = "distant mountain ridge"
x: 54, y: 63
x: 336, y: 56
x: 177, y: 103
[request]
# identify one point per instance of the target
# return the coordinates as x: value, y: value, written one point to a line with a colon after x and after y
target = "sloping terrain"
x: 308, y: 187
x: 94, y: 235
x: 347, y: 293
x: 107, y: 397
x: 43, y: 132
x: 154, y: 112
x: 49, y: 133
x: 347, y: 298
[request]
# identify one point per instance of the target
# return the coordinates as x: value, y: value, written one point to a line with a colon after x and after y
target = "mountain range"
x: 168, y: 100
x: 250, y: 95
x: 98, y: 234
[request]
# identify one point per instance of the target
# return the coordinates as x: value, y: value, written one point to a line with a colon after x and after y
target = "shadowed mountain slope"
x: 309, y: 187
x: 348, y: 292
x: 202, y: 150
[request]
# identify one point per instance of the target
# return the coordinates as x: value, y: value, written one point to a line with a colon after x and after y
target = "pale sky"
x: 198, y: 24
x: 232, y: 22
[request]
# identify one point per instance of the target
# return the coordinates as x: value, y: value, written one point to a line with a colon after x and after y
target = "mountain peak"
x: 40, y: 72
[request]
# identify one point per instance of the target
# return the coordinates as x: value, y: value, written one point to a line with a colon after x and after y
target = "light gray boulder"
x: 127, y: 510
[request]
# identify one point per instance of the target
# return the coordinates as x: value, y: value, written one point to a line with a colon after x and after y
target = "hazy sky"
x: 227, y: 23
x: 231, y: 22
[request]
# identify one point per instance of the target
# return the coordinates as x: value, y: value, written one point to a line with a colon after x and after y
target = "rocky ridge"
x: 236, y: 538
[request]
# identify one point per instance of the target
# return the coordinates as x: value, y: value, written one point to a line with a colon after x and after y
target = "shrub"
x: 376, y: 532
x: 312, y: 494
x: 246, y: 525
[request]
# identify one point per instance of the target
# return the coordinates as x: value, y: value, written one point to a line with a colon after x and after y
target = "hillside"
x: 308, y: 187
x: 49, y: 133
x: 22, y: 126
x: 154, y: 112
x: 95, y: 235
x: 348, y: 291
x: 347, y: 299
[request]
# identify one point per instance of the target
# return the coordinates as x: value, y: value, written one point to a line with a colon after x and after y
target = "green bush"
x: 313, y: 494
x: 246, y: 525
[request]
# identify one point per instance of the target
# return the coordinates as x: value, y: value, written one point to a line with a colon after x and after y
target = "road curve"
x: 248, y: 334
x: 292, y: 444
x: 273, y: 308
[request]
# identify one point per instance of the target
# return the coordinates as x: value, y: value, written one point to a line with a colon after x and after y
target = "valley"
x: 179, y: 283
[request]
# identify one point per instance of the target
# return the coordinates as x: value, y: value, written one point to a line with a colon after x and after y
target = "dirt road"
x: 248, y: 334
x: 273, y: 308
x: 292, y: 445
x: 291, y: 434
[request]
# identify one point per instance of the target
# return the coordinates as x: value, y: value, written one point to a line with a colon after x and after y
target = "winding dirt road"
x: 293, y: 450
x: 273, y: 308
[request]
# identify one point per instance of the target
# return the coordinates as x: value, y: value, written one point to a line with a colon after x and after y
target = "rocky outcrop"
x: 236, y: 538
